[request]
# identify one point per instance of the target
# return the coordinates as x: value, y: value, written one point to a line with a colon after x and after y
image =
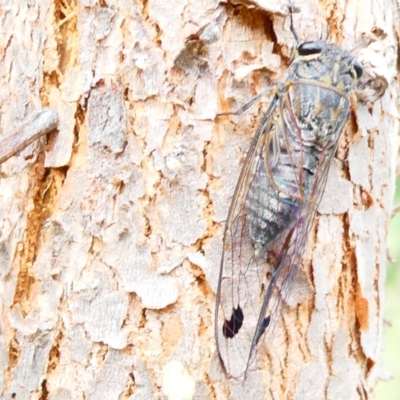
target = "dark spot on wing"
x: 262, y: 328
x: 231, y: 327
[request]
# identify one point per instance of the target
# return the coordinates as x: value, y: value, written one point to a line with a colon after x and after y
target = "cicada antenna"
x: 291, y: 11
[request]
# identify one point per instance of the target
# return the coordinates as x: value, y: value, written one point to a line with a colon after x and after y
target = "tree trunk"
x: 111, y: 235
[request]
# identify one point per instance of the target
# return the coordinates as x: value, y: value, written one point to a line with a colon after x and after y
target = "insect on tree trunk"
x: 111, y: 230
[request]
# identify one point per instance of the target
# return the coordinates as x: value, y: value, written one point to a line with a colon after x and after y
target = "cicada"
x: 276, y: 198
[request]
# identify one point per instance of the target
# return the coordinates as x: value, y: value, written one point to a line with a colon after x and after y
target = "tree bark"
x: 111, y: 233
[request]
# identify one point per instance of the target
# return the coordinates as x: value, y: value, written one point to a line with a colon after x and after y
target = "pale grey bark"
x: 111, y: 237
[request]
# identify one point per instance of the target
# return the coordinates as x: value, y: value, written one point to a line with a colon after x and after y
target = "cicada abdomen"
x: 276, y: 197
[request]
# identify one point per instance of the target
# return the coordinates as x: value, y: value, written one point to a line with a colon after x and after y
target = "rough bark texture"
x: 111, y: 237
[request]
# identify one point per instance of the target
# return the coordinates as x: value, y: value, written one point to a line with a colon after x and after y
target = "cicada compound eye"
x: 358, y: 69
x: 309, y: 48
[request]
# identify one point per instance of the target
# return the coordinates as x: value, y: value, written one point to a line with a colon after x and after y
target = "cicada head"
x: 326, y: 63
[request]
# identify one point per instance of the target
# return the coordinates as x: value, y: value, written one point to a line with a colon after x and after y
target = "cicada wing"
x: 237, y: 302
x: 251, y: 285
x: 245, y: 269
x: 291, y: 250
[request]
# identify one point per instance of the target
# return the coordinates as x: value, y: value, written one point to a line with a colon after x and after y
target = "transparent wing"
x: 256, y: 269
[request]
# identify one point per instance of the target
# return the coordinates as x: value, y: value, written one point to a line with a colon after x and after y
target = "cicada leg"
x: 241, y: 110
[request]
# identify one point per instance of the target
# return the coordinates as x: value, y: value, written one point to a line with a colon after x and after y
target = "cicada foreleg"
x: 241, y: 110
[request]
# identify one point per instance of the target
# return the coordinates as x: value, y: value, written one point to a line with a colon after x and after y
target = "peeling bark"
x: 111, y: 232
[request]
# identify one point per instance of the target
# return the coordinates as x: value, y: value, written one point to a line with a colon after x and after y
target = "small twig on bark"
x: 39, y: 123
